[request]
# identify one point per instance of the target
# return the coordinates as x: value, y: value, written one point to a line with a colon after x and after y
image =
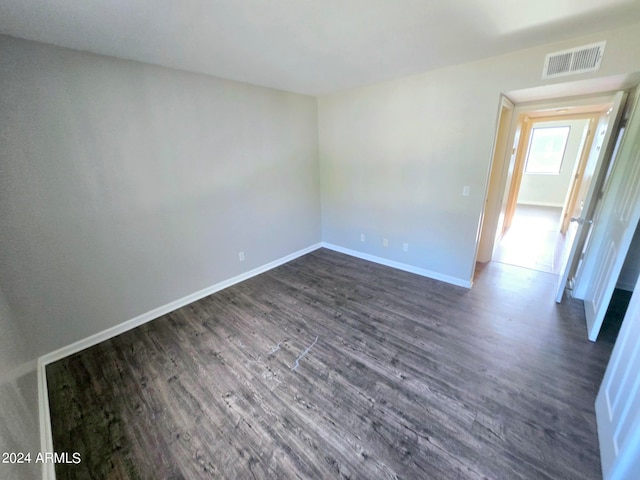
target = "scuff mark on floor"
x: 276, y: 348
x: 303, y: 354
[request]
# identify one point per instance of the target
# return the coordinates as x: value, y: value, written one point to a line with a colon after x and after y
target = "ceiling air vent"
x: 573, y: 61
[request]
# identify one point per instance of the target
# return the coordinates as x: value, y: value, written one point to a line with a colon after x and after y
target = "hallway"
x: 534, y: 240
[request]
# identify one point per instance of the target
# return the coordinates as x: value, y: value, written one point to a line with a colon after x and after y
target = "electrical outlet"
x: 385, y: 242
x: 362, y: 238
x: 241, y: 256
x: 405, y: 247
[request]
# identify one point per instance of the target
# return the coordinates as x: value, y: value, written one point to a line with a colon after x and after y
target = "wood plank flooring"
x: 333, y: 367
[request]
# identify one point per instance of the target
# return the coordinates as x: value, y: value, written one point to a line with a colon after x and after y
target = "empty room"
x: 266, y: 239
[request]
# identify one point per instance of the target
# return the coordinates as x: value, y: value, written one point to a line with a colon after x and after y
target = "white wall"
x: 18, y: 396
x: 394, y: 157
x: 551, y: 190
x: 126, y: 186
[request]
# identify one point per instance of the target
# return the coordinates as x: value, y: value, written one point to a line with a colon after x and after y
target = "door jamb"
x: 485, y: 239
x: 576, y: 182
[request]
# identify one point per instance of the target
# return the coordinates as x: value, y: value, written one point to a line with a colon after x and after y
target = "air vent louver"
x: 573, y: 61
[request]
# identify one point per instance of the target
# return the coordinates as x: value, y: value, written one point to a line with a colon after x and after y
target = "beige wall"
x: 127, y: 186
x: 395, y: 156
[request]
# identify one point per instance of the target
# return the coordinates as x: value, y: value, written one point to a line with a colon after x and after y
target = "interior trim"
x: 400, y: 266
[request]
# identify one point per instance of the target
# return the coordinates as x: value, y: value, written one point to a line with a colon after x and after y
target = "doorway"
x: 509, y: 162
x: 604, y: 204
x: 550, y: 167
x: 533, y: 240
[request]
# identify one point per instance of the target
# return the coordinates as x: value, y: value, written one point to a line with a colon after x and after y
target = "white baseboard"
x: 46, y: 439
x: 169, y: 307
x: 400, y: 266
x: 542, y: 204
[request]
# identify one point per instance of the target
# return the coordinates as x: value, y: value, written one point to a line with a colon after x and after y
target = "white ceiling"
x: 308, y: 46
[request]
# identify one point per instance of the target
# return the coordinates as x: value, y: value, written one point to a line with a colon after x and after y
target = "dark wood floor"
x: 333, y: 367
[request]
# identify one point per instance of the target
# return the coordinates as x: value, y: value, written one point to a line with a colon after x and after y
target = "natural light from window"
x: 546, y: 150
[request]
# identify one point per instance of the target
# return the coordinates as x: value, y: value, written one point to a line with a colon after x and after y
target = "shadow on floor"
x: 614, y: 316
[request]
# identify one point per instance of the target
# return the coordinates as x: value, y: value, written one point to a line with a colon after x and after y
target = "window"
x: 546, y: 150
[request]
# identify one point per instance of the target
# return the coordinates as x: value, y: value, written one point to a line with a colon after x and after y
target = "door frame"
x: 502, y: 167
x: 492, y: 202
x: 527, y: 125
x: 588, y: 212
x: 572, y: 196
x: 618, y: 218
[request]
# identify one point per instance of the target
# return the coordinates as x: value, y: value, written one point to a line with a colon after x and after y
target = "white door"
x: 618, y: 402
x: 612, y: 234
x: 601, y: 150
